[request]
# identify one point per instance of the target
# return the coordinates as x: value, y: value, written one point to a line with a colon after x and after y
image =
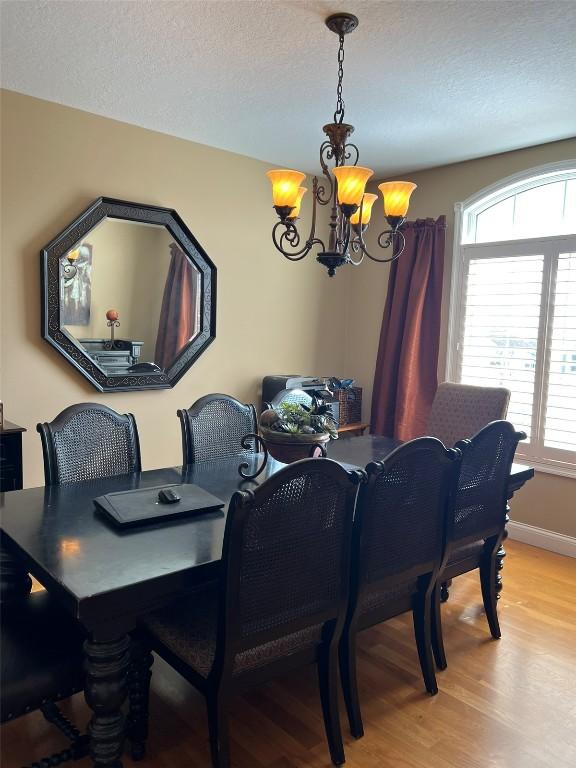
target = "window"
x: 513, y: 307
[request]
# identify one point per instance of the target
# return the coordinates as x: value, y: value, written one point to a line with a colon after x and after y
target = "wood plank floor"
x: 502, y: 704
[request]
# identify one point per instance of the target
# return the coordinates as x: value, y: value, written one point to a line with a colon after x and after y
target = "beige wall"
x: 551, y: 501
x: 273, y: 316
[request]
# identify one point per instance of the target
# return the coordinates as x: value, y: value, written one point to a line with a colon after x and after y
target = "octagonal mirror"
x: 129, y: 296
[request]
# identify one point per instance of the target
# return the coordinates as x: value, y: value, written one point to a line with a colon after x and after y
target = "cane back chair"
x: 397, y: 546
x: 281, y: 600
x: 88, y: 441
x: 42, y: 657
x: 476, y: 526
x: 213, y: 427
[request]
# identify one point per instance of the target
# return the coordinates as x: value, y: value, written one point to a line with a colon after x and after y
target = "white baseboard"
x: 540, y: 537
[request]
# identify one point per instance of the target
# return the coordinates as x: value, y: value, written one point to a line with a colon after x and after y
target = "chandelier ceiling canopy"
x: 343, y: 189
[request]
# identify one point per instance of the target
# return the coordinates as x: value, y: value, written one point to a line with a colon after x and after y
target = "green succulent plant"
x: 298, y: 419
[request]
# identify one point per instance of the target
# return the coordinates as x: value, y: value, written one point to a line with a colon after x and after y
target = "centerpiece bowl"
x: 286, y: 447
x: 294, y: 431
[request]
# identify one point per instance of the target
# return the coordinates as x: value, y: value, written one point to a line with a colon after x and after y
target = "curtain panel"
x: 405, y: 379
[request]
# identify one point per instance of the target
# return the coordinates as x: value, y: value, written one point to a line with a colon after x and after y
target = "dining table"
x: 108, y: 577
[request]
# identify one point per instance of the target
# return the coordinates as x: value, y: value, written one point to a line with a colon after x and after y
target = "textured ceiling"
x: 426, y: 83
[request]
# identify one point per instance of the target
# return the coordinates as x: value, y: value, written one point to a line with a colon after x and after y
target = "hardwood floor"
x: 502, y: 704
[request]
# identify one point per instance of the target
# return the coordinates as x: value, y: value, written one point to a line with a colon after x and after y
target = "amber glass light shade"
x: 396, y: 195
x: 285, y: 186
x: 367, y: 203
x: 351, y: 183
x: 296, y: 210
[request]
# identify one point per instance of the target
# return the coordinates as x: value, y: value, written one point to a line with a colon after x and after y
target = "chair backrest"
x: 461, y: 410
x: 481, y: 497
x: 287, y: 551
x: 214, y: 426
x: 298, y: 396
x: 89, y: 441
x: 399, y: 527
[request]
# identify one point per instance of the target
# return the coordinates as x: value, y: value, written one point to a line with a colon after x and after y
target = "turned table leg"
x: 107, y: 663
x: 139, y: 689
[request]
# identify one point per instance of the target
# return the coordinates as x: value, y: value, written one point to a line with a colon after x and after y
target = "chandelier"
x: 343, y: 190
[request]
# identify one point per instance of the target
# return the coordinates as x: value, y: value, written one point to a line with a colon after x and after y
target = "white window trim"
x: 501, y: 190
x: 470, y: 208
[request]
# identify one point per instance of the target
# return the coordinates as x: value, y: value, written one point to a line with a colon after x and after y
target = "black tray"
x: 140, y: 506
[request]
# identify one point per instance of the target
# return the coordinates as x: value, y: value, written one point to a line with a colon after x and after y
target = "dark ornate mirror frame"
x: 61, y: 340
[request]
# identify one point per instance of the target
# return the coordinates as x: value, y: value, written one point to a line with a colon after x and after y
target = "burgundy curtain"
x: 178, y: 314
x: 405, y: 380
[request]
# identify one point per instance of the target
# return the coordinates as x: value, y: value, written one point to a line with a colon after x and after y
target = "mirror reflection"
x: 129, y: 296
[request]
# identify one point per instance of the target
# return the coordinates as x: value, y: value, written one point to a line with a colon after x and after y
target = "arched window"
x: 513, y: 305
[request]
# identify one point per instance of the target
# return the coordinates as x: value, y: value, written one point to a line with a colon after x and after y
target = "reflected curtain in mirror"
x: 179, y: 316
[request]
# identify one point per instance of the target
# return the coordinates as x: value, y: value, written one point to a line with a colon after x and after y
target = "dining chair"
x: 281, y: 599
x: 213, y: 427
x: 460, y: 410
x: 88, y: 441
x: 41, y: 663
x: 476, y: 524
x: 84, y: 442
x: 397, y: 546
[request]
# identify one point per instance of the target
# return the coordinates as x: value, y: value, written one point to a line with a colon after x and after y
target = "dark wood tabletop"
x: 100, y: 572
x: 103, y: 573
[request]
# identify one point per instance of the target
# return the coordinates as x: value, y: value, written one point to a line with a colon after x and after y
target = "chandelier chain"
x: 339, y: 114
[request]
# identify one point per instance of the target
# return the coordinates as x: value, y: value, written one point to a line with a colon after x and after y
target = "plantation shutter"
x: 499, y: 343
x: 560, y: 419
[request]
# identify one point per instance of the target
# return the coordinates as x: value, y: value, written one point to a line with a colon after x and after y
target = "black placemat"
x: 141, y: 505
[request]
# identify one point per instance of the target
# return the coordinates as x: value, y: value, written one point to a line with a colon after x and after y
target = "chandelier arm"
x: 320, y: 191
x: 351, y: 260
x: 346, y: 235
x: 347, y: 154
x: 390, y: 235
x: 355, y: 243
x: 290, y: 237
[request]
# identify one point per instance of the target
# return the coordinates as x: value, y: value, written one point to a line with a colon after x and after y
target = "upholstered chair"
x: 281, y: 599
x: 397, y: 547
x: 213, y: 427
x: 460, y: 410
x: 88, y: 441
x: 476, y: 526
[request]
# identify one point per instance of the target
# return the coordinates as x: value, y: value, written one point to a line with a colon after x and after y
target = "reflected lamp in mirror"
x: 128, y: 296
